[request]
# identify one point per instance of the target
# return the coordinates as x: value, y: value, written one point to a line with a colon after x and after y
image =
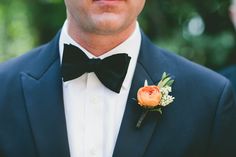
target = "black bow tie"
x: 110, y: 71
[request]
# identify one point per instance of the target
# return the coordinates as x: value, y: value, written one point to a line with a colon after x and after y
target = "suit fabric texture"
x: 201, y: 122
x: 230, y: 73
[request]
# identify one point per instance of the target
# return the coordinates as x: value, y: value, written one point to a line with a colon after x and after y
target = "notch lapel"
x: 42, y: 89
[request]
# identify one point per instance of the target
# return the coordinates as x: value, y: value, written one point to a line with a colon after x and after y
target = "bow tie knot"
x: 111, y: 71
x: 92, y: 65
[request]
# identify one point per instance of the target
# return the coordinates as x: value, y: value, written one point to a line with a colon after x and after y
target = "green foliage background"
x: 26, y: 24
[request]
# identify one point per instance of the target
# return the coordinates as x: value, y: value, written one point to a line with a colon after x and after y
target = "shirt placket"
x: 94, y: 118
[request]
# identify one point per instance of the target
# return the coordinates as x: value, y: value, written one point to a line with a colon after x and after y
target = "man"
x: 56, y: 102
x: 230, y: 72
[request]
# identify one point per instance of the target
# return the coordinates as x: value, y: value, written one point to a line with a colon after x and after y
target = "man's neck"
x: 98, y: 44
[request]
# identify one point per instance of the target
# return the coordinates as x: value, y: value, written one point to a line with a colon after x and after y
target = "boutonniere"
x: 154, y: 97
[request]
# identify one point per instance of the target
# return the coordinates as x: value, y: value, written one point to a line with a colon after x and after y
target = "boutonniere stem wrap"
x: 154, y: 97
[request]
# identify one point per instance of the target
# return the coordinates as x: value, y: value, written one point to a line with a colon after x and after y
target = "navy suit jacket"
x: 201, y: 122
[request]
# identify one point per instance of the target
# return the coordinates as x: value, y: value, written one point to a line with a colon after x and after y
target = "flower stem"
x: 141, y: 119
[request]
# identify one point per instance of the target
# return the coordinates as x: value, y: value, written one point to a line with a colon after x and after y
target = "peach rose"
x: 149, y: 96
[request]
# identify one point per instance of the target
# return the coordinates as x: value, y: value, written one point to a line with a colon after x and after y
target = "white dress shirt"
x: 93, y: 112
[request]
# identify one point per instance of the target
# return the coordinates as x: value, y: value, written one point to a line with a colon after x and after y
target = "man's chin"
x: 109, y: 26
x: 107, y: 31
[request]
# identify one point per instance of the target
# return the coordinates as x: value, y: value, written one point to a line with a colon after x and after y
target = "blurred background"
x: 199, y: 30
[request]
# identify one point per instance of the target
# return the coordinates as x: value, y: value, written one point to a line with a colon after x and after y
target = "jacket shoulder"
x: 187, y: 70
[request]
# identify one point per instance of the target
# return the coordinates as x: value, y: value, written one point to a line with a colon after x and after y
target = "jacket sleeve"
x: 223, y: 137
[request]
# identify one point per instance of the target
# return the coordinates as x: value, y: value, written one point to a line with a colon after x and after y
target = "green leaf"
x: 157, y: 110
x: 165, y: 81
x: 169, y: 83
x: 164, y: 75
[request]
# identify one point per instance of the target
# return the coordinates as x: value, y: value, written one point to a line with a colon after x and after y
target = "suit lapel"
x: 134, y: 141
x: 42, y: 89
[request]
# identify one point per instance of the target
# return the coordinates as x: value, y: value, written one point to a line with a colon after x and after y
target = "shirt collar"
x: 131, y: 46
